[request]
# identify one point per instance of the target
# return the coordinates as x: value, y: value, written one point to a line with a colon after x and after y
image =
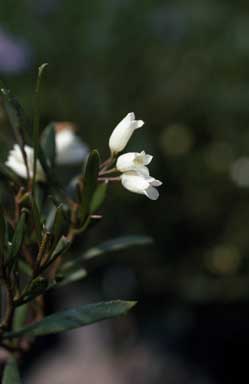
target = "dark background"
x: 182, y: 67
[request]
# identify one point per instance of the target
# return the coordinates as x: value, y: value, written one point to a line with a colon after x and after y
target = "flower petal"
x: 152, y: 193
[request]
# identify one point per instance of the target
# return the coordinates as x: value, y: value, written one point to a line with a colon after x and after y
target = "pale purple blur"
x: 15, y: 53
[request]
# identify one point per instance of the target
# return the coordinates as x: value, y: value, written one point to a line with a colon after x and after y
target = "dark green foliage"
x: 89, y: 183
x: 48, y: 144
x: 75, y: 318
x: 11, y: 374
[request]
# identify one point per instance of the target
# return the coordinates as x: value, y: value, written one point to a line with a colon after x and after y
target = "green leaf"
x: 98, y: 197
x: 11, y: 374
x: 3, y: 229
x: 20, y: 317
x: 74, y: 318
x: 36, y: 119
x: 118, y: 244
x: 37, y: 287
x: 61, y: 247
x: 48, y: 144
x: 7, y: 173
x: 36, y: 217
x: 44, y: 163
x: 25, y: 268
x: 89, y: 183
x: 18, y: 236
x: 73, y: 277
x: 16, y: 115
x: 17, y: 121
x: 59, y: 223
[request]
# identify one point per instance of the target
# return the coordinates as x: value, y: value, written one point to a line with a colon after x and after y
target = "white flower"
x: 69, y: 147
x: 138, y: 183
x: 134, y: 161
x: 123, y: 131
x: 16, y: 162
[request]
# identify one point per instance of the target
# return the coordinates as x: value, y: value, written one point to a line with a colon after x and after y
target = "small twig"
x: 107, y: 163
x: 42, y: 250
x: 116, y: 178
x: 112, y: 170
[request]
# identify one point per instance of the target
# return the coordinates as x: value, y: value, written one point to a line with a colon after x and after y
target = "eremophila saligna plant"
x: 40, y: 219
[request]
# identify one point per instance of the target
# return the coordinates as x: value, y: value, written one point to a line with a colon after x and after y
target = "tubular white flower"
x: 69, y: 147
x: 144, y: 185
x: 16, y: 162
x: 123, y: 131
x: 134, y: 161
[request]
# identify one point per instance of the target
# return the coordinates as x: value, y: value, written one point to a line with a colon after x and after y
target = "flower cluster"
x: 135, y: 174
x: 69, y: 150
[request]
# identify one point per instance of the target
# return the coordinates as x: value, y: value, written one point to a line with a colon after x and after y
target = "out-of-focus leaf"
x: 48, y: 144
x: 117, y: 244
x: 20, y: 317
x: 77, y: 275
x: 25, y: 268
x: 36, y: 218
x: 98, y: 197
x: 40, y: 196
x: 16, y: 115
x: 36, y: 119
x: 75, y: 318
x: 2, y: 232
x: 59, y: 222
x: 89, y: 183
x: 18, y: 236
x: 9, y: 174
x: 61, y: 247
x: 44, y: 163
x: 11, y: 374
x: 37, y: 287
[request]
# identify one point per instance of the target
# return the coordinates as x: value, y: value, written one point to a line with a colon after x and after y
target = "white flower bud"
x: 134, y: 161
x: 69, y: 148
x: 16, y: 162
x: 137, y: 183
x: 123, y: 131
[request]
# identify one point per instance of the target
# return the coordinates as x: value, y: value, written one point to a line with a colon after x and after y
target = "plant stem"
x: 116, y: 178
x: 103, y: 172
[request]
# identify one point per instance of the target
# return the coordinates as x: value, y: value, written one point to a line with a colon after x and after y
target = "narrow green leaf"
x: 73, y: 277
x: 36, y: 287
x: 117, y: 244
x: 18, y: 236
x: 74, y: 318
x: 16, y: 115
x: 3, y: 229
x: 98, y: 197
x: 25, y: 268
x: 8, y: 174
x: 44, y: 163
x: 61, y: 247
x: 89, y: 182
x: 20, y: 317
x: 48, y: 144
x: 36, y: 218
x: 36, y: 123
x: 11, y: 374
x: 17, y: 120
x: 59, y: 223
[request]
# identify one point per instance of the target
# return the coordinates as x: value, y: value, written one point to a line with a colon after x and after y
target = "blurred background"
x: 182, y: 67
